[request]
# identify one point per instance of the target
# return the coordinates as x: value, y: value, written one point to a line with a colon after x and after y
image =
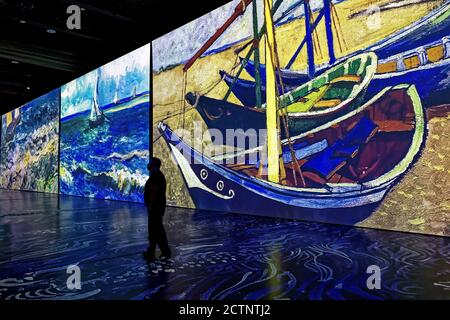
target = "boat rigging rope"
x: 317, y: 46
x: 284, y: 115
x: 201, y: 92
x: 338, y: 27
x: 236, y: 75
x: 215, y: 84
x: 205, y: 91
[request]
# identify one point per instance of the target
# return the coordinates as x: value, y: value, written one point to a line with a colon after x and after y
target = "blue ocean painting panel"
x: 105, y: 130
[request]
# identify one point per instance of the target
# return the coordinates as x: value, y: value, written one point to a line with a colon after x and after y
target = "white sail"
x: 96, y: 113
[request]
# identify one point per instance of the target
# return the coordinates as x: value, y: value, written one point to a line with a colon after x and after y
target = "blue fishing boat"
x: 348, y: 164
x: 422, y: 34
x: 428, y: 67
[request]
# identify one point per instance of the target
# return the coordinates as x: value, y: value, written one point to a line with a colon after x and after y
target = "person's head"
x: 154, y: 164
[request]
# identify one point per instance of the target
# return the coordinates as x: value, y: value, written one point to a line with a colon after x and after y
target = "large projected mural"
x: 332, y: 111
x: 104, y: 147
x: 29, y: 146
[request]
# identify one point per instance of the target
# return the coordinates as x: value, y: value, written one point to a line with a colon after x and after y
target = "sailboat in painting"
x: 96, y: 116
x: 116, y: 99
x: 242, y: 89
x: 350, y: 162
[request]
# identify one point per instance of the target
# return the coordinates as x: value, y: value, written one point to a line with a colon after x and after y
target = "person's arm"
x: 147, y: 194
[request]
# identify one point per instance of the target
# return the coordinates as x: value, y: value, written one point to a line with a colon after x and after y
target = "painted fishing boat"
x: 338, y: 91
x: 426, y: 32
x: 428, y: 67
x: 348, y: 163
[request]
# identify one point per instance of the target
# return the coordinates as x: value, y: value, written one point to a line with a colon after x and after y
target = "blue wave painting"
x: 104, y: 147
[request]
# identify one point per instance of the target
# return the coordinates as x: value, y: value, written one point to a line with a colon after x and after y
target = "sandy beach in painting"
x: 411, y: 205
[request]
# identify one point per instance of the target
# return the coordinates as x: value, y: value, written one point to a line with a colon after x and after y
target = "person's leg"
x: 164, y: 244
x: 152, y: 237
x: 162, y: 239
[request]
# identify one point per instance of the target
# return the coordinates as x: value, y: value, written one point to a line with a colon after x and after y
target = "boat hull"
x: 93, y: 123
x: 432, y: 82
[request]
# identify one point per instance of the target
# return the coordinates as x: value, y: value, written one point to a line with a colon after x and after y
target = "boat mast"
x: 330, y: 40
x: 250, y: 51
x: 309, y: 40
x: 256, y: 55
x: 326, y: 11
x: 272, y: 119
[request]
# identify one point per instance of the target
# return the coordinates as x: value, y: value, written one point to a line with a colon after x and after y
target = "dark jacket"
x: 155, y: 191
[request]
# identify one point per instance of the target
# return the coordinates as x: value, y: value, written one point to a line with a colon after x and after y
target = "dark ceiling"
x: 39, y: 53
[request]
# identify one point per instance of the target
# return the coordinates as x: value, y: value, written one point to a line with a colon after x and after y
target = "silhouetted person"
x: 155, y: 200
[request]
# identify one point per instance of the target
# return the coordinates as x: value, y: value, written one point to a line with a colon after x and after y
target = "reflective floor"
x: 217, y: 255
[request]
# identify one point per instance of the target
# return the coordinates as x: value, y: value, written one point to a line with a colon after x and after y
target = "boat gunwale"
x: 358, y: 89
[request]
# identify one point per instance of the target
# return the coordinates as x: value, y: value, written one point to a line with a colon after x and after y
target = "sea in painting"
x: 411, y: 44
x: 105, y: 130
x: 29, y: 146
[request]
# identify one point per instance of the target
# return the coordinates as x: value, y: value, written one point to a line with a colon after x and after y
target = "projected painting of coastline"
x: 104, y: 147
x: 335, y: 111
x: 29, y: 146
